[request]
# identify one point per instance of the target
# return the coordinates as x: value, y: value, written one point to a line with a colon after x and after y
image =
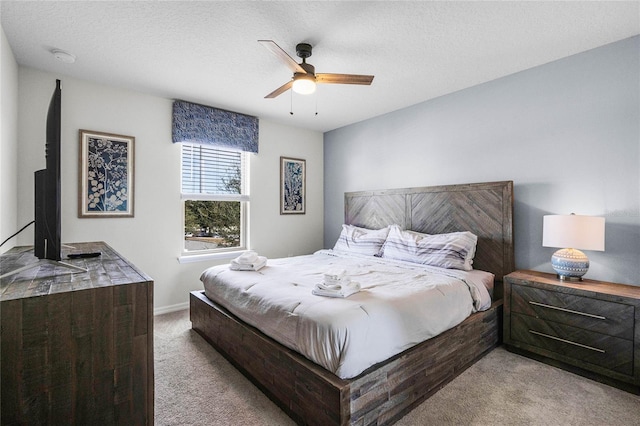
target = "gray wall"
x: 567, y: 133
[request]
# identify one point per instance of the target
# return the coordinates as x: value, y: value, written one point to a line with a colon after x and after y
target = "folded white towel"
x: 328, y: 287
x: 247, y: 258
x: 322, y: 289
x: 255, y: 266
x: 341, y: 281
x: 335, y: 274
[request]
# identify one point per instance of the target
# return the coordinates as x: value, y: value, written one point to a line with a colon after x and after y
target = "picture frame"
x: 106, y: 188
x: 292, y: 186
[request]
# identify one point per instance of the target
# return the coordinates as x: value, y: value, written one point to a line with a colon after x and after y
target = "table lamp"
x: 577, y: 233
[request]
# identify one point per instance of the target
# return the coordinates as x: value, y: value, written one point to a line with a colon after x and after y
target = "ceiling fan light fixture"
x: 304, y: 84
x: 304, y: 74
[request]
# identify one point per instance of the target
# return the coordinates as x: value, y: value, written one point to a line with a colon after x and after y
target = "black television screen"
x: 47, y: 241
x: 47, y: 187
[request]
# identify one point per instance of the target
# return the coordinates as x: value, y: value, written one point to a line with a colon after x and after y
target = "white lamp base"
x: 570, y: 264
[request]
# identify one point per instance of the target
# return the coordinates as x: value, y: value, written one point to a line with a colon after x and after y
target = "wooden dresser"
x: 589, y: 327
x: 77, y: 348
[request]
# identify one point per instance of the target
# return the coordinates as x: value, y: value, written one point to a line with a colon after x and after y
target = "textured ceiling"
x: 207, y: 52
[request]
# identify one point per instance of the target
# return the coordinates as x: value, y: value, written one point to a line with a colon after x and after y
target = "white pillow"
x: 454, y: 251
x: 353, y: 239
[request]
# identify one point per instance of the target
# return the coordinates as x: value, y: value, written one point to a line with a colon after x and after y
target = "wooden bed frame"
x: 382, y: 394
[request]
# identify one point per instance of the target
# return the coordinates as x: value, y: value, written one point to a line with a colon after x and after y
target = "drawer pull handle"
x: 567, y: 341
x: 568, y: 310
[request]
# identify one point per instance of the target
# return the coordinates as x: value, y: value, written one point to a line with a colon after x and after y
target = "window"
x: 215, y: 198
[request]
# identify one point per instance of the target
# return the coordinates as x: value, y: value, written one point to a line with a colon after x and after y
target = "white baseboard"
x: 171, y: 308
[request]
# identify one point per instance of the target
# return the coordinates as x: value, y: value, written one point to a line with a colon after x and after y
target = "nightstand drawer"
x: 609, y: 318
x: 606, y: 351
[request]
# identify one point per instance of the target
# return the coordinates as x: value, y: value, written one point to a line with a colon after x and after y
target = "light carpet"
x: 194, y: 385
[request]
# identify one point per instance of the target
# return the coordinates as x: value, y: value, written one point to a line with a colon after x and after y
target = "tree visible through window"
x: 215, y: 199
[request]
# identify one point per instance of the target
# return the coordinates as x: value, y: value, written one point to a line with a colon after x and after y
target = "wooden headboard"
x: 486, y: 209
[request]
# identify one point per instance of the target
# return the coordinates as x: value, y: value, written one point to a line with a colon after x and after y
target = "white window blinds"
x: 213, y: 173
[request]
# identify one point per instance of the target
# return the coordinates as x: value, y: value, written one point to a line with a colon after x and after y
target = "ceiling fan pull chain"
x: 291, y: 102
x: 316, y: 103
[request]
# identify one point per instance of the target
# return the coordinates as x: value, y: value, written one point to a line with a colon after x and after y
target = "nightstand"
x: 589, y: 327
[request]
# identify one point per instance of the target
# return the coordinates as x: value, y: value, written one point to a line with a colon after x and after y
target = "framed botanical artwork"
x: 292, y: 186
x: 106, y: 175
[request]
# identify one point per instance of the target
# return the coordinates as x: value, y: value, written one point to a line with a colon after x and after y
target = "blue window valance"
x: 205, y: 125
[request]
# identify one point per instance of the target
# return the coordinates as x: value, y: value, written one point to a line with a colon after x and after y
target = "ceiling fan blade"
x: 344, y: 79
x: 280, y: 90
x: 284, y: 56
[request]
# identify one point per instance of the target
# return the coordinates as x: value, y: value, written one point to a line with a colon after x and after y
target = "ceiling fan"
x: 304, y: 78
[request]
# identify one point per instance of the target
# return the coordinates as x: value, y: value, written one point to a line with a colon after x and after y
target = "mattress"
x: 400, y: 304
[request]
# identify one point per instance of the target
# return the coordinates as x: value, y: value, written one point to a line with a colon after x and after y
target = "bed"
x: 387, y: 390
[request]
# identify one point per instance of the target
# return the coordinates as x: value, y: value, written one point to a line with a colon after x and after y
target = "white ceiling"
x: 207, y: 52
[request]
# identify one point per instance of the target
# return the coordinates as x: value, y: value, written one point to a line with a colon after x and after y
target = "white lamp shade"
x: 573, y: 231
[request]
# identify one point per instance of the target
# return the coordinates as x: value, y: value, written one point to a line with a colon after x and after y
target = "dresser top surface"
x: 587, y: 285
x: 47, y: 277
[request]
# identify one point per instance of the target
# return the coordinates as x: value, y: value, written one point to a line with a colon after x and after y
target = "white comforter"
x: 399, y: 306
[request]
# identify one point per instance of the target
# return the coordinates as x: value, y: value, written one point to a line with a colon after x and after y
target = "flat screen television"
x: 47, y: 244
x: 46, y: 241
